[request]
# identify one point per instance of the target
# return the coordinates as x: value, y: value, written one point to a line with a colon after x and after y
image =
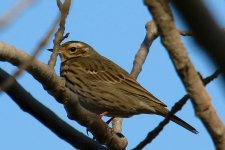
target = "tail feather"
x: 184, y: 124
x: 163, y: 111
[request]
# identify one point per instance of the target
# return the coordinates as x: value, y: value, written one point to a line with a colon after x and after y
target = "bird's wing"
x: 113, y: 75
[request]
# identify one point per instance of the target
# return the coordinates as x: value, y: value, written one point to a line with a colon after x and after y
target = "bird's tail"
x: 163, y: 112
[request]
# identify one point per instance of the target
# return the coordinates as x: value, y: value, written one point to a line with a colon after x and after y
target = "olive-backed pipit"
x: 103, y: 86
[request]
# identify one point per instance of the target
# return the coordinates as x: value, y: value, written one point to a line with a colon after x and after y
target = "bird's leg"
x: 103, y: 114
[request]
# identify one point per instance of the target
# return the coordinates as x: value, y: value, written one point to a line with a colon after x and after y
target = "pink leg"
x: 103, y: 114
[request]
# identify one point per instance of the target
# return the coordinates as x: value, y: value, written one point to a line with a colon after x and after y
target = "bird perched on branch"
x: 104, y: 87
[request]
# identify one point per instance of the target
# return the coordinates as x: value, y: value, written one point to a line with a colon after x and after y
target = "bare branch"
x: 177, y: 106
x: 12, y: 13
x: 65, y: 36
x: 201, y: 24
x: 55, y: 87
x: 201, y: 100
x: 64, y: 9
x: 185, y: 33
x: 142, y: 53
x: 190, y: 33
x: 60, y: 5
x: 36, y: 51
x: 117, y: 124
x: 48, y: 118
x: 151, y: 34
x: 213, y: 76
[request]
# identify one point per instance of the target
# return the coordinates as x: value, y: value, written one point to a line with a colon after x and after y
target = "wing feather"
x: 120, y: 79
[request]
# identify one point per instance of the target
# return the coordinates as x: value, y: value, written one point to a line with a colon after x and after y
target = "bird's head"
x: 72, y: 49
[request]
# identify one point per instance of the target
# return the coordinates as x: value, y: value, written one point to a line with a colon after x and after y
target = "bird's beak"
x: 50, y: 49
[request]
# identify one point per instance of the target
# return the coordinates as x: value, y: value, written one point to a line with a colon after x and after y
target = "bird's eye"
x: 73, y: 49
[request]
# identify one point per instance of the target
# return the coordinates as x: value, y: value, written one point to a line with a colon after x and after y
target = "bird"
x: 103, y: 87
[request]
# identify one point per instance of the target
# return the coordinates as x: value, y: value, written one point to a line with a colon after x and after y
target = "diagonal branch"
x: 64, y: 9
x: 201, y: 24
x: 185, y: 33
x: 177, y: 106
x: 55, y: 87
x: 142, y: 53
x: 48, y: 118
x: 35, y: 52
x: 190, y: 33
x: 12, y: 13
x: 201, y: 100
x: 139, y: 60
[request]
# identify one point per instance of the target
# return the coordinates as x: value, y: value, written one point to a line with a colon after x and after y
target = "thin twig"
x: 185, y: 33
x: 190, y: 33
x: 143, y: 51
x: 64, y: 9
x: 65, y: 36
x: 177, y: 106
x: 35, y: 52
x: 140, y: 57
x: 48, y: 118
x: 15, y: 11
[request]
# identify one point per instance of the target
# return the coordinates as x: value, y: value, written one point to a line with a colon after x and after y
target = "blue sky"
x: 115, y: 29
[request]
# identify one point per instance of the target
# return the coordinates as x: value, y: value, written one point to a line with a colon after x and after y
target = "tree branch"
x: 35, y: 52
x: 185, y: 33
x: 201, y: 24
x: 177, y: 106
x: 55, y: 87
x: 190, y: 33
x: 64, y: 9
x: 12, y: 13
x: 48, y: 118
x: 140, y: 57
x: 142, y: 53
x: 201, y: 100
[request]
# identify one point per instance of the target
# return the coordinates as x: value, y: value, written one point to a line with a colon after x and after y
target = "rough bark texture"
x: 201, y: 100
